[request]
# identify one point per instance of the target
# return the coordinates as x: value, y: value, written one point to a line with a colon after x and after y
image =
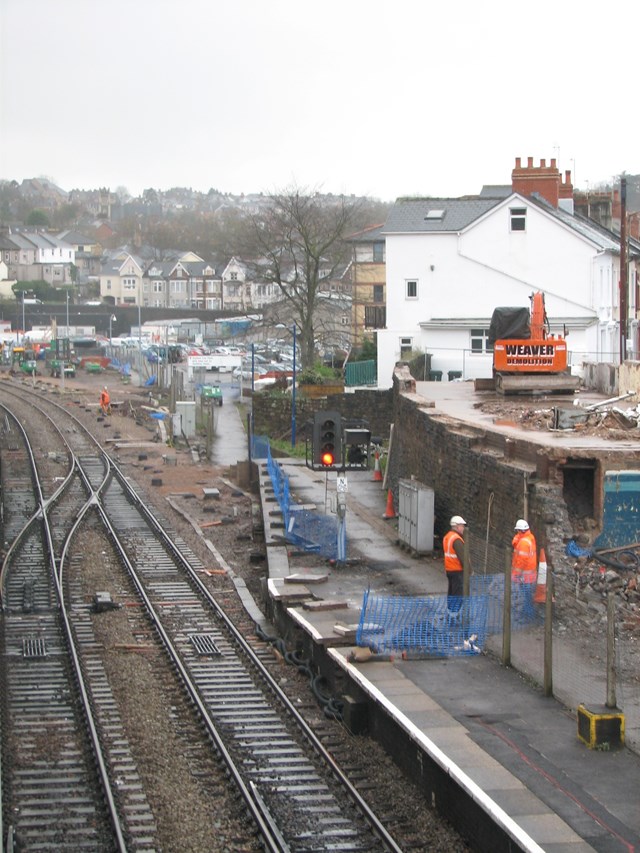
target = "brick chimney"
x: 544, y: 180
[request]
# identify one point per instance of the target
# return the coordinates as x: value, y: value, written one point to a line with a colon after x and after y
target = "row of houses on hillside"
x: 428, y: 280
x: 37, y: 255
x: 185, y: 282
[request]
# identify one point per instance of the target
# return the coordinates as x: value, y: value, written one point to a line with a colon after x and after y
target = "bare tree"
x: 300, y: 236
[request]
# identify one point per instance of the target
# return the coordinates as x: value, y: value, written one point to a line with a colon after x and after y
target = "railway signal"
x: 327, y: 440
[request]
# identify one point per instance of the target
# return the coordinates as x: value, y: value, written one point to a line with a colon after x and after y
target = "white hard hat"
x: 521, y: 524
x: 457, y: 519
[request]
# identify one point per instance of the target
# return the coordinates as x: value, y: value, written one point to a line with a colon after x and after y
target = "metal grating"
x: 34, y: 647
x: 204, y: 644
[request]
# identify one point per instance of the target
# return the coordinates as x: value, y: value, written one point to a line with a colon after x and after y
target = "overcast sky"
x: 412, y: 97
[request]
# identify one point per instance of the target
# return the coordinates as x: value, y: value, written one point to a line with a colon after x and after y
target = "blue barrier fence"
x: 423, y: 624
x: 441, y: 626
x: 307, y: 529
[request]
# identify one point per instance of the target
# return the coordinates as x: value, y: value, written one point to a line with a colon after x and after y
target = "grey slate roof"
x: 408, y: 216
x: 7, y: 244
x: 367, y: 235
x: 588, y: 228
x: 496, y: 191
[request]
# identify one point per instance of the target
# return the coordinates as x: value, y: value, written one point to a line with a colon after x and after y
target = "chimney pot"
x: 553, y: 162
x: 543, y: 164
x: 529, y: 162
x: 518, y: 162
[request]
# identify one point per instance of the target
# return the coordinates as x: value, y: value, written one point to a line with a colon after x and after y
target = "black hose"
x: 332, y: 707
x: 614, y: 564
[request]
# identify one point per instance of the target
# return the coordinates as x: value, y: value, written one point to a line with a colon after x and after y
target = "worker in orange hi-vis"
x: 524, y: 562
x: 453, y: 548
x: 105, y: 401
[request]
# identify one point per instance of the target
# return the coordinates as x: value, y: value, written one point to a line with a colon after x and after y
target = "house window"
x: 411, y: 288
x: 344, y: 319
x: 518, y: 218
x: 378, y: 293
x: 479, y: 341
x: 378, y: 253
x: 406, y: 345
x: 233, y: 276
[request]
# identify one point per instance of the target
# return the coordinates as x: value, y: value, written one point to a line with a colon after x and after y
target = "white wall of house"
x: 442, y: 289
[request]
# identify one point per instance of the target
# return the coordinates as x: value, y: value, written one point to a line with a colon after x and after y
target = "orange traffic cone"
x: 540, y: 595
x: 389, y: 511
x: 377, y: 473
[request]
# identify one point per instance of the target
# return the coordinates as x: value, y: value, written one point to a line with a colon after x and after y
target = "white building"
x: 450, y: 262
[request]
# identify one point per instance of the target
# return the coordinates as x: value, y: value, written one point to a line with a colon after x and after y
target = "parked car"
x: 247, y: 373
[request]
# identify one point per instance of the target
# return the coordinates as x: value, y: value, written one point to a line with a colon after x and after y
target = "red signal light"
x: 327, y: 459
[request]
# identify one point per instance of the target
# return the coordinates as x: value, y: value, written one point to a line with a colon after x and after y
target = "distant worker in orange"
x: 453, y: 547
x: 105, y: 401
x: 524, y: 562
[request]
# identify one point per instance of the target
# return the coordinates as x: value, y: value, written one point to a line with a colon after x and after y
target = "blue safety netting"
x: 525, y: 613
x: 434, y: 624
x: 307, y: 529
x: 441, y: 626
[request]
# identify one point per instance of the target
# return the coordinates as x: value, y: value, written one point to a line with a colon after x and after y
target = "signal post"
x: 337, y: 447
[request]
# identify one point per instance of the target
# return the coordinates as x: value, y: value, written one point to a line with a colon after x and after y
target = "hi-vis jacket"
x: 524, y: 563
x: 451, y: 560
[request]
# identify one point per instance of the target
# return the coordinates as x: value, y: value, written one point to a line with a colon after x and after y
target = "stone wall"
x: 272, y: 412
x: 601, y: 377
x: 473, y: 477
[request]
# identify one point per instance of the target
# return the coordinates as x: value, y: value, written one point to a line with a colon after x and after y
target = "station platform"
x: 491, y: 748
x: 485, y: 736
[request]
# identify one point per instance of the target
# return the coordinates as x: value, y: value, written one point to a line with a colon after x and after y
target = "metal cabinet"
x: 416, y: 515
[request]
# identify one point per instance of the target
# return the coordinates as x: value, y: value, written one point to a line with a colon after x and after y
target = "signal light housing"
x: 327, y: 441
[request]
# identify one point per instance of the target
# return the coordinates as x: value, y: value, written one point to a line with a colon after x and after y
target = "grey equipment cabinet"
x: 416, y: 515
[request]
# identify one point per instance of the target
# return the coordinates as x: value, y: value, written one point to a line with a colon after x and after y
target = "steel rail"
x: 259, y: 810
x: 42, y: 515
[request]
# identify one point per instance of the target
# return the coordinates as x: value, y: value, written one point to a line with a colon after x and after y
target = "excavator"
x: 527, y: 359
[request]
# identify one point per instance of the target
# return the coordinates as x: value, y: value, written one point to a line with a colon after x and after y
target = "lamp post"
x: 67, y: 334
x: 23, y: 326
x: 112, y: 318
x: 293, y: 392
x: 139, y: 344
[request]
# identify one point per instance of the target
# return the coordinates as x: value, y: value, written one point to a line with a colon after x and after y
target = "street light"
x: 112, y: 319
x: 293, y: 392
x: 67, y: 335
x: 293, y: 389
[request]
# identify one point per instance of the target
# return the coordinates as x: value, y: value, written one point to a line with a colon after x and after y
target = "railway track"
x: 290, y: 785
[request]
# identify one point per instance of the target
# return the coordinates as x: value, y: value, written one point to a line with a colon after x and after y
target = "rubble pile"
x: 603, y: 419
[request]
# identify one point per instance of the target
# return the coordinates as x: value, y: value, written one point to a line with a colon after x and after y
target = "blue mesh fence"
x: 306, y: 529
x: 260, y: 447
x: 441, y: 626
x: 434, y: 624
x: 524, y: 612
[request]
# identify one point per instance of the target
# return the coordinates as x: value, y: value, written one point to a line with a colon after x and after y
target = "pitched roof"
x: 588, y: 228
x: 368, y: 235
x: 420, y: 215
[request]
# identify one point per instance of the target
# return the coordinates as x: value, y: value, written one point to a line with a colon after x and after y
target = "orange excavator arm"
x: 539, y: 322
